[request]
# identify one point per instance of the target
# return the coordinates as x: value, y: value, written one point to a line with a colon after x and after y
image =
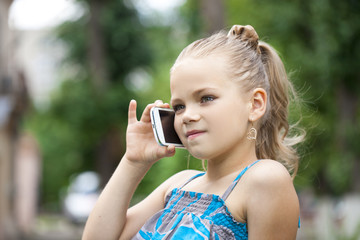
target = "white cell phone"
x: 162, y: 120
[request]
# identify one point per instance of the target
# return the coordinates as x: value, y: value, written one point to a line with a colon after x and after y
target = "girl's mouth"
x: 193, y: 134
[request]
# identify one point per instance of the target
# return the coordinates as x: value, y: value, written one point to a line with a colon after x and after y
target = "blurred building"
x: 29, y: 72
x: 10, y: 109
x: 39, y: 54
x: 25, y: 69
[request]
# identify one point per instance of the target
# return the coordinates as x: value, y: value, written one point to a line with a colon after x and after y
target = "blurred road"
x: 55, y: 227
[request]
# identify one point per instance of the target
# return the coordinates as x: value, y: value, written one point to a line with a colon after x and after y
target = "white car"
x: 81, y: 196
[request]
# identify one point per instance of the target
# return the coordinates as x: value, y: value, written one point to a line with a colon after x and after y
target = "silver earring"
x: 252, y: 133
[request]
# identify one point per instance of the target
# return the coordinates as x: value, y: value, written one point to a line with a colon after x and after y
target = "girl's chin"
x: 202, y: 155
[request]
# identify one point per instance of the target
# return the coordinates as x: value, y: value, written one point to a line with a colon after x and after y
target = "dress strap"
x: 192, y: 178
x: 233, y: 184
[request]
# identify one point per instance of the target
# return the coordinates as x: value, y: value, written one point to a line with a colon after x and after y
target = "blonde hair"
x: 255, y: 64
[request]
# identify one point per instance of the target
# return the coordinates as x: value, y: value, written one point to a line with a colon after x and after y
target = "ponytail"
x: 273, y: 140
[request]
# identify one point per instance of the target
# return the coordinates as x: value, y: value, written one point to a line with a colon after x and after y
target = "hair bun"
x: 247, y: 34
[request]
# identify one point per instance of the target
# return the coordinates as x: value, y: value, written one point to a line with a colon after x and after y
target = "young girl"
x: 230, y: 94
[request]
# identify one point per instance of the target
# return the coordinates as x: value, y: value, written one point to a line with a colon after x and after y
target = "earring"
x: 252, y: 133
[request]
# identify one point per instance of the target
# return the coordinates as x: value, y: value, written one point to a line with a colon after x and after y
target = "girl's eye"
x: 178, y: 107
x: 207, y: 99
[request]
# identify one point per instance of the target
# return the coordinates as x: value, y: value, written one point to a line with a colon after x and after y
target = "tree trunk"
x: 109, y: 150
x: 348, y: 104
x: 109, y: 153
x: 96, y: 50
x: 212, y: 12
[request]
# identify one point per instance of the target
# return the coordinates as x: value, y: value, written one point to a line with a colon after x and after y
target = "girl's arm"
x: 272, y: 205
x: 108, y: 218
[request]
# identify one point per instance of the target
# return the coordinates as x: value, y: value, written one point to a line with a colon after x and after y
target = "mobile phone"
x: 162, y: 120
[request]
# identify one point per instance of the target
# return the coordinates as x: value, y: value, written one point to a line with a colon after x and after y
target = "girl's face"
x: 211, y: 112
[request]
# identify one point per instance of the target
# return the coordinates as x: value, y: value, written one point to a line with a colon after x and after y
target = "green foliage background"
x: 318, y: 40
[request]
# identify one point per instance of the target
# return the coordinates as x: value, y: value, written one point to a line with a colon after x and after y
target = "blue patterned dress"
x: 193, y: 215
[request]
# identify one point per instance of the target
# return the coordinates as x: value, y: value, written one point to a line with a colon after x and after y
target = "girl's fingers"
x: 158, y: 103
x: 168, y: 151
x: 145, y: 117
x: 132, y: 112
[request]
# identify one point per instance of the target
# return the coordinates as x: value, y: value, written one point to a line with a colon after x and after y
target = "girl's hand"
x: 141, y: 146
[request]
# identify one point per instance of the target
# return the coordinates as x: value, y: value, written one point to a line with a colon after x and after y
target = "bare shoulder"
x: 268, y: 173
x: 272, y: 206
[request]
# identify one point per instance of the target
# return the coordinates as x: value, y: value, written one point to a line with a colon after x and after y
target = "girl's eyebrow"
x: 194, y: 94
x: 201, y: 90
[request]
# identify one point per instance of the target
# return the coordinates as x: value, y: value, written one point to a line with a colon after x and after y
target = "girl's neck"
x: 226, y: 165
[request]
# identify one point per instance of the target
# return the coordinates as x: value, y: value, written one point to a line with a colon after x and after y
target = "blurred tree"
x: 213, y: 15
x: 85, y: 124
x: 96, y: 46
x: 319, y: 41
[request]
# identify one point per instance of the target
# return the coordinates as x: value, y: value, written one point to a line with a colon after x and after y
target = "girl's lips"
x: 194, y: 133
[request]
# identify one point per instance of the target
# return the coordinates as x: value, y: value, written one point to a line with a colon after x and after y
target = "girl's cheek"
x: 178, y: 129
x: 177, y: 125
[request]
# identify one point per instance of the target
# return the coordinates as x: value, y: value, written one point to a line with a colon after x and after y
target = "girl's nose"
x: 190, y: 115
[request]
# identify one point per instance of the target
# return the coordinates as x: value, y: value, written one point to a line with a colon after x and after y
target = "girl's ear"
x: 258, y: 104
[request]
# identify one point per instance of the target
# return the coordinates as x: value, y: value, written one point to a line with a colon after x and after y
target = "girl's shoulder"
x: 267, y: 171
x: 267, y: 177
x: 270, y: 193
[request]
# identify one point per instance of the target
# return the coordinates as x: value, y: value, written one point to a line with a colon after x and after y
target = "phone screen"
x: 167, y: 121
